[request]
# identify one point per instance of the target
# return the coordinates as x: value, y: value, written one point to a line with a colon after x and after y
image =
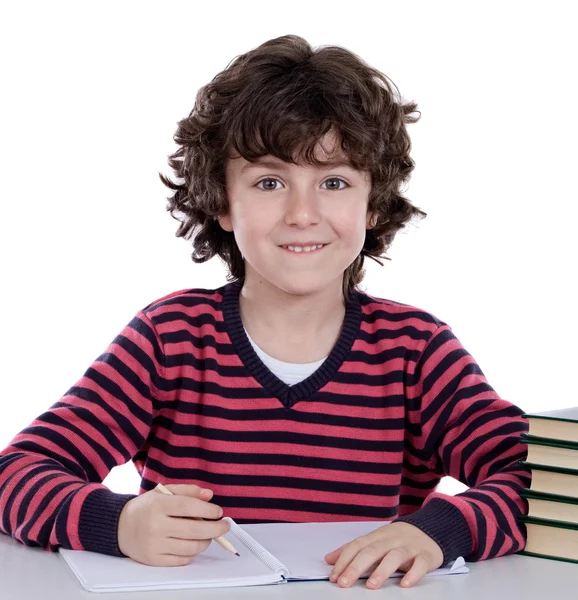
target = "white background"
x: 91, y: 96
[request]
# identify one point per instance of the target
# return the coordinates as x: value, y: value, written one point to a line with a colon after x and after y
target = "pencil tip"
x: 237, y: 554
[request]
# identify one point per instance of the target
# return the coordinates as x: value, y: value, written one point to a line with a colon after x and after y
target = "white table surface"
x: 33, y: 573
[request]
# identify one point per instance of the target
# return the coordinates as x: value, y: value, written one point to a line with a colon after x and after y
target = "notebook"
x: 270, y: 553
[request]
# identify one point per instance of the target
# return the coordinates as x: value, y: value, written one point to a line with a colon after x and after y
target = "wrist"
x: 445, y: 525
x: 99, y: 520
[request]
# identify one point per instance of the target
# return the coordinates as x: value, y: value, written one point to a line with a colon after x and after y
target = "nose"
x: 302, y: 208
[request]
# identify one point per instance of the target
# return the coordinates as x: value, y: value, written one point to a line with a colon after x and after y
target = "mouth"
x: 303, y: 250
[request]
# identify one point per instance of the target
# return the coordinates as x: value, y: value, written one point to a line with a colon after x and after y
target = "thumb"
x: 194, y: 491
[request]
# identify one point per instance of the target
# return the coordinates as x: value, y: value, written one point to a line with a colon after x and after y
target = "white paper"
x: 215, y: 567
x: 300, y: 547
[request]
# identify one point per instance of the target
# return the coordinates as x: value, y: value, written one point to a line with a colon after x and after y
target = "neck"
x: 296, y: 319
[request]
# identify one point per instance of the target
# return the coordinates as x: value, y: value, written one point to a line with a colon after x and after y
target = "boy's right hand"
x: 152, y: 530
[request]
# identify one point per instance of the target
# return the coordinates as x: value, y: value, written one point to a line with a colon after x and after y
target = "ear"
x: 370, y: 221
x: 226, y: 223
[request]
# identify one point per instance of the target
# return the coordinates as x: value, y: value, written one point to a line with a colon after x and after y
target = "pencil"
x: 224, y: 543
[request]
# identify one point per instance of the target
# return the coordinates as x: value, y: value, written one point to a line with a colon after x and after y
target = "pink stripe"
x: 202, y: 308
x: 300, y: 494
x: 380, y: 369
x: 358, y: 389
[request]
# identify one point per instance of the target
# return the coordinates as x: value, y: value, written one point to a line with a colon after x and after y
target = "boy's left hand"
x: 393, y: 547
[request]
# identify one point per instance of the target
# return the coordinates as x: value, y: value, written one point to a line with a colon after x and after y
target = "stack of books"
x: 552, y: 520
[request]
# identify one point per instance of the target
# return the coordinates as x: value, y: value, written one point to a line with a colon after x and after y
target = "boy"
x: 287, y: 394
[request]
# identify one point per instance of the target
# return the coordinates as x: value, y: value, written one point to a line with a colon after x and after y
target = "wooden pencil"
x: 224, y: 543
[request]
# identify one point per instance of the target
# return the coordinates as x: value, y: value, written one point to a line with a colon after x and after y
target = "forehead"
x: 327, y: 151
x: 271, y: 162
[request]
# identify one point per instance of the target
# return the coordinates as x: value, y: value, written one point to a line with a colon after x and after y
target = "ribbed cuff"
x: 446, y: 525
x: 98, y: 521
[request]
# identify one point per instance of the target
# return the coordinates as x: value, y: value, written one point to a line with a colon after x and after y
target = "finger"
x: 390, y: 563
x: 186, y: 548
x: 184, y: 489
x: 421, y: 566
x: 346, y: 555
x: 332, y: 556
x: 185, y: 506
x: 406, y: 566
x: 172, y: 560
x: 361, y: 562
x: 343, y: 555
x: 189, y: 529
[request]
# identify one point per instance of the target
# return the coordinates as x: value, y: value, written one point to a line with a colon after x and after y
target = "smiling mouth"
x: 304, y: 249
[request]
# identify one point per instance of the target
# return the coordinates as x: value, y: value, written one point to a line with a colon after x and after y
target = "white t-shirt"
x: 290, y: 373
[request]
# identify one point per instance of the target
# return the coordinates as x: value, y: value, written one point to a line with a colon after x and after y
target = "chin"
x: 303, y: 286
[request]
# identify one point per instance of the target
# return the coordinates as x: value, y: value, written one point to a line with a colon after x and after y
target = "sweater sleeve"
x: 459, y: 426
x: 51, y: 473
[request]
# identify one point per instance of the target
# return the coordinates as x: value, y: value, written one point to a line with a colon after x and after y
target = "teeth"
x: 304, y: 248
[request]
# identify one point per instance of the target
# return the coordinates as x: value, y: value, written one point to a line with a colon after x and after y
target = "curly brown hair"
x: 281, y: 99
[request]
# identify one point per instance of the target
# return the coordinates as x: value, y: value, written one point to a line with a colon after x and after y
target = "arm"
x: 456, y: 424
x: 51, y: 473
x: 459, y: 426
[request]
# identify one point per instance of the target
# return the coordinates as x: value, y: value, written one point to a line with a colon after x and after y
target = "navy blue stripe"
x: 275, y: 414
x: 427, y: 484
x: 60, y: 526
x: 84, y: 415
x: 482, y: 534
x: 112, y: 388
x: 248, y: 458
x: 79, y: 465
x: 53, y: 418
x: 496, y: 509
x: 474, y: 444
x: 445, y: 397
x: 124, y: 422
x: 277, y: 437
x: 443, y: 420
x: 371, y: 512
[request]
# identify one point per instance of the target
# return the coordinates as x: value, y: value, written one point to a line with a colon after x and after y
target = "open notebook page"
x: 215, y: 567
x: 302, y: 547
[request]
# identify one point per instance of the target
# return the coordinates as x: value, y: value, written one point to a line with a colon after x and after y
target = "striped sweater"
x: 397, y: 404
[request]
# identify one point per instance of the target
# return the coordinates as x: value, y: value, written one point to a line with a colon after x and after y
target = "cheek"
x: 250, y: 229
x: 351, y: 224
x: 257, y: 217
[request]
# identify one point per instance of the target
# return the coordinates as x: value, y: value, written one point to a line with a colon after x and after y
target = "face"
x: 281, y: 213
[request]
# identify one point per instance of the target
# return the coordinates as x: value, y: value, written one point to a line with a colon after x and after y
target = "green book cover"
x: 532, y: 439
x: 527, y: 493
x: 536, y: 467
x: 548, y: 523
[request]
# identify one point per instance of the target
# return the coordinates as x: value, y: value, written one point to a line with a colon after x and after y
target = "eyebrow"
x: 279, y: 164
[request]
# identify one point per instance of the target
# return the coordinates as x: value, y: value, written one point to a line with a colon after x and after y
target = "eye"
x: 336, y: 179
x: 270, y: 189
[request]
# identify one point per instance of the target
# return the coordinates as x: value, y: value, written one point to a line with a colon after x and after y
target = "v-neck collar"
x: 289, y: 394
